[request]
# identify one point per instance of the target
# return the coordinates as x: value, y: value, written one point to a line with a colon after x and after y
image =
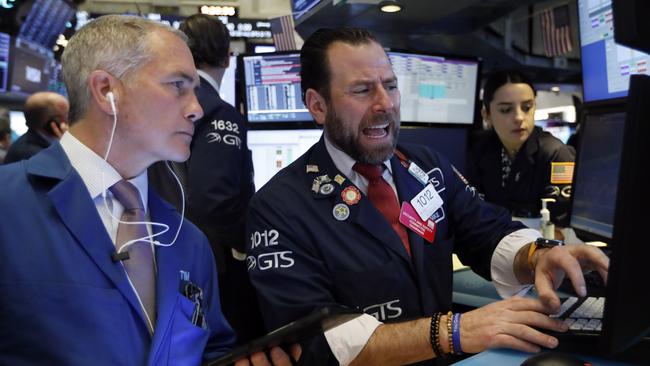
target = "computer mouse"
x: 554, y: 358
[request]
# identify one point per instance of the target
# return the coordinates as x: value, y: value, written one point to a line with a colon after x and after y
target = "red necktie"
x: 381, y: 195
x: 140, y: 265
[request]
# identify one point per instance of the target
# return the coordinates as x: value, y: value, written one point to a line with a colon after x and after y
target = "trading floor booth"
x: 609, y: 199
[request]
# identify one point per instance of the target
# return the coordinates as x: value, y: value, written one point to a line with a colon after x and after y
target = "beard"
x: 348, y: 140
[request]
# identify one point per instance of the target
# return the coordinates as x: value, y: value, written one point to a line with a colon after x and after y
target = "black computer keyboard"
x: 582, y: 314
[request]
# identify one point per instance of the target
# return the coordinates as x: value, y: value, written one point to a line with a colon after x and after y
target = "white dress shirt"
x: 99, y: 176
x: 347, y: 340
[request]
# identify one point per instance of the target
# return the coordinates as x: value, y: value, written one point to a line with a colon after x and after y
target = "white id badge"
x: 426, y: 202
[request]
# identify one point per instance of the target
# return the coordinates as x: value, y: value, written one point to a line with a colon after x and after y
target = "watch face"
x: 548, y: 243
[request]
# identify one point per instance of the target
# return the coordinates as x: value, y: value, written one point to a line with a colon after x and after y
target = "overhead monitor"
x: 46, y: 20
x: 272, y: 89
x: 436, y: 89
x: 31, y: 67
x: 606, y: 65
x: 5, y: 48
x: 301, y: 7
x: 273, y: 150
x: 596, y: 174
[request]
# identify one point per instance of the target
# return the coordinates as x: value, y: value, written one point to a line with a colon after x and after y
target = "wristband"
x: 435, y: 335
x: 531, y: 251
x: 455, y: 330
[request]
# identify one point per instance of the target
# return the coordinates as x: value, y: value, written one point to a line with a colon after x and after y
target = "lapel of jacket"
x: 168, y: 265
x: 407, y: 188
x: 364, y: 214
x: 72, y: 202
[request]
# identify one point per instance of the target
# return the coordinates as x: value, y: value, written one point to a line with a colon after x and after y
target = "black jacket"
x: 530, y: 175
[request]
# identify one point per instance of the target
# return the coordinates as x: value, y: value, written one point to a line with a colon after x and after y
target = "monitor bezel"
x: 626, y: 290
x: 243, y: 100
x: 476, y: 122
x: 590, y: 109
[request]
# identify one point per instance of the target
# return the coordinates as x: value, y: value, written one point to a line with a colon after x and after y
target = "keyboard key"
x: 565, y: 306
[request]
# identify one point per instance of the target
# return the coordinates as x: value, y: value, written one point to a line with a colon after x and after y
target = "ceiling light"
x: 390, y: 6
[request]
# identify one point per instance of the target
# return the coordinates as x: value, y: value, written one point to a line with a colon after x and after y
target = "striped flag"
x: 562, y: 173
x: 283, y: 33
x: 556, y: 31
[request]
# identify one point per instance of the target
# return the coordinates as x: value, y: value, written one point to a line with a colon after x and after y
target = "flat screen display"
x: 272, y: 88
x: 597, y: 172
x: 606, y: 65
x: 436, y: 89
x: 273, y: 150
x: 31, y: 67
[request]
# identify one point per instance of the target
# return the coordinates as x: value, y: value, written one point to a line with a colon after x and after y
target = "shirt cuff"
x: 503, y: 258
x: 348, y: 339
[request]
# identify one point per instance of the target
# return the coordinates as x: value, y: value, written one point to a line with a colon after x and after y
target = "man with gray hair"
x: 95, y: 268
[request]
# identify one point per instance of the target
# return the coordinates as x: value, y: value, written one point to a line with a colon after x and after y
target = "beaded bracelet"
x: 435, y: 334
x: 458, y: 350
x: 450, y: 340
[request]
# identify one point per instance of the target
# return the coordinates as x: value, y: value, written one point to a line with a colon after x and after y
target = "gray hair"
x: 114, y: 43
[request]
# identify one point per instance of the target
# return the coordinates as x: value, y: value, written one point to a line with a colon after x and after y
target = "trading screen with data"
x: 436, y: 89
x: 272, y: 88
x: 606, y: 65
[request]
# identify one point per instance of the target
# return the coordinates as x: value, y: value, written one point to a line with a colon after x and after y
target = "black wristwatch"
x: 541, y: 243
x: 548, y: 243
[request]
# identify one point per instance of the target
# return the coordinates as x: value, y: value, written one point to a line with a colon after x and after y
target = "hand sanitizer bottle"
x: 547, y: 228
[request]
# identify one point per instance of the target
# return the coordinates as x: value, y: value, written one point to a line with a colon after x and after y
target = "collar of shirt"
x: 213, y: 83
x: 91, y: 167
x: 344, y: 163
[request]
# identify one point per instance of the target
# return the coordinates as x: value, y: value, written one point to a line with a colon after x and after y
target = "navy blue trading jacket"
x: 301, y: 258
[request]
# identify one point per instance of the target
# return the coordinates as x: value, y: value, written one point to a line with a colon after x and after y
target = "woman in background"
x: 514, y: 163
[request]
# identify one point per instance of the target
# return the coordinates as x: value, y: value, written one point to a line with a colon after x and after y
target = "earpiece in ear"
x: 111, y: 100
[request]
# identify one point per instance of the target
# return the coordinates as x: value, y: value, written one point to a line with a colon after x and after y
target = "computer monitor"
x: 436, y: 89
x: 46, y: 20
x: 30, y: 67
x: 5, y: 49
x: 596, y: 173
x: 271, y: 90
x: 273, y: 150
x: 626, y: 317
x: 606, y: 65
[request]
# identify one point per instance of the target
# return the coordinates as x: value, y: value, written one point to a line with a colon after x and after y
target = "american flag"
x: 562, y: 173
x: 556, y: 31
x: 283, y: 36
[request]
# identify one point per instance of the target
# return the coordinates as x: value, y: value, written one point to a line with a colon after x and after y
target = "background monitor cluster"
x: 46, y: 20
